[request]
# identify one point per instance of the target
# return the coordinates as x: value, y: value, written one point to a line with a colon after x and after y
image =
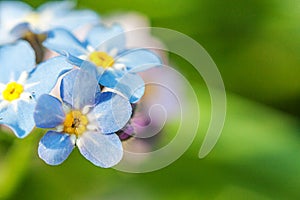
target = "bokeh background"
x: 256, y: 46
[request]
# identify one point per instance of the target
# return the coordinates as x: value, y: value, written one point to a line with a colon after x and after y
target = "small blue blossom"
x: 116, y: 67
x: 21, y: 82
x: 17, y: 17
x: 85, y: 118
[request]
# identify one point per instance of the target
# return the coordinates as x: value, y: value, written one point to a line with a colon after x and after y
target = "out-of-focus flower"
x: 16, y: 18
x: 116, y: 66
x: 159, y: 106
x: 137, y: 28
x: 86, y: 118
x: 21, y: 82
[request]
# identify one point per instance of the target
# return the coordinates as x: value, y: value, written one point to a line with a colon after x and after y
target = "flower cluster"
x: 65, y: 71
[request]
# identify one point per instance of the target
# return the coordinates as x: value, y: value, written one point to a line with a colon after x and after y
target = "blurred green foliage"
x: 255, y: 44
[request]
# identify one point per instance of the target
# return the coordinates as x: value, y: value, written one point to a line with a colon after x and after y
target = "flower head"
x: 86, y: 118
x: 21, y: 82
x: 17, y: 17
x: 116, y: 67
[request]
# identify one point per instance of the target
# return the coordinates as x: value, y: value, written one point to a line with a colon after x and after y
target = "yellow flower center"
x: 101, y: 59
x: 12, y: 91
x: 75, y: 123
x: 32, y: 18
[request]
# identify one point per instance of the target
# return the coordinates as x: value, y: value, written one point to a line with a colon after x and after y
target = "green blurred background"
x: 256, y: 46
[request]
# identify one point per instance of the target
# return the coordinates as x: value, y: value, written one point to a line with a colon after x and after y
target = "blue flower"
x: 86, y: 118
x: 18, y: 17
x: 116, y: 66
x: 21, y: 82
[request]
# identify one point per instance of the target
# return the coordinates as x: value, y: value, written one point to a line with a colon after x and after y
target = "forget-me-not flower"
x: 85, y: 118
x: 115, y: 65
x: 17, y: 16
x: 21, y: 82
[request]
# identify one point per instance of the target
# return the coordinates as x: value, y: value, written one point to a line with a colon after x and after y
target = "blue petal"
x: 48, y: 112
x: 13, y: 11
x: 56, y: 7
x: 102, y: 150
x: 112, y: 112
x: 21, y: 120
x: 6, y: 36
x: 76, y: 19
x: 106, y: 38
x: 79, y: 88
x: 91, y: 68
x: 138, y: 60
x: 65, y: 17
x: 109, y: 78
x: 64, y: 43
x: 54, y: 148
x: 15, y: 59
x: 10, y: 14
x: 129, y: 84
x: 75, y: 60
x: 45, y: 76
x: 19, y: 30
